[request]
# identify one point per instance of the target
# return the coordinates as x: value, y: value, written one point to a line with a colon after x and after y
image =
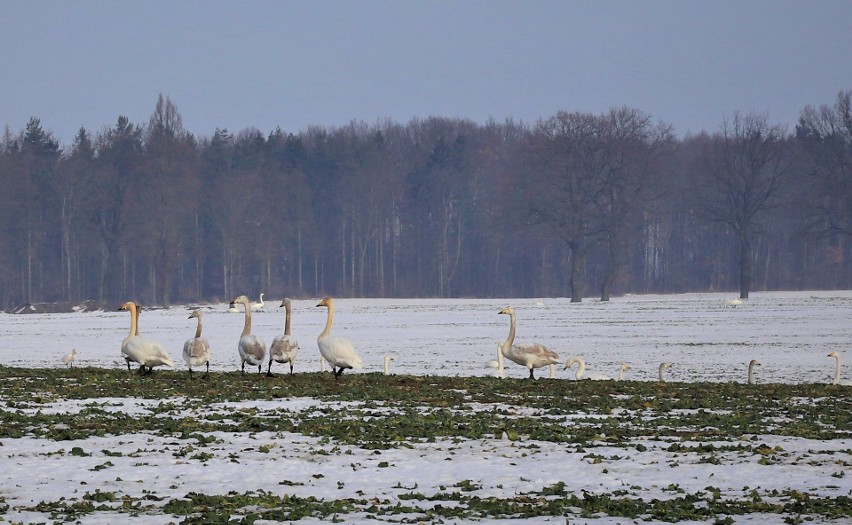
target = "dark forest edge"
x: 574, y: 205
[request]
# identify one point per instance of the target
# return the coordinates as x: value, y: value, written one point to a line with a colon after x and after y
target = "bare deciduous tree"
x: 746, y: 171
x: 825, y: 134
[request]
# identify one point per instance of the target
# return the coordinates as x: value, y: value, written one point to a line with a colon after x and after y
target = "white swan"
x: 663, y: 366
x: 751, y: 364
x: 196, y: 351
x: 581, y: 370
x: 252, y: 349
x: 70, y: 357
x: 531, y: 355
x: 143, y: 351
x: 621, y: 370
x: 388, y: 359
x: 733, y: 303
x: 284, y: 348
x: 258, y: 305
x: 837, y: 381
x: 497, y: 364
x: 338, y: 351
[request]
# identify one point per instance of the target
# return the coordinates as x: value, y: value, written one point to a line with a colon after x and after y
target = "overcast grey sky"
x: 294, y: 64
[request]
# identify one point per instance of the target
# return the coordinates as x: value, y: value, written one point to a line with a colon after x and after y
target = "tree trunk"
x: 745, y: 265
x: 578, y: 266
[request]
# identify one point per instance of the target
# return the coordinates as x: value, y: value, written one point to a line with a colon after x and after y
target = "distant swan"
x: 70, y: 357
x: 751, y: 364
x: 258, y: 305
x: 140, y: 350
x: 388, y: 359
x: 733, y: 303
x: 837, y: 380
x: 338, y: 351
x: 581, y: 370
x: 663, y: 366
x: 621, y: 369
x: 252, y: 349
x: 531, y: 355
x: 284, y: 348
x: 196, y: 351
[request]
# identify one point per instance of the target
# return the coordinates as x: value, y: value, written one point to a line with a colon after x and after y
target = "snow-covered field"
x: 789, y: 332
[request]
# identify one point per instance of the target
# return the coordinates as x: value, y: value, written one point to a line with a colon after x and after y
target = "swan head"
x: 665, y: 365
x: 327, y: 301
x: 241, y: 300
x: 625, y: 366
x: 754, y: 362
x: 833, y: 353
x: 285, y: 303
x: 129, y: 305
x: 507, y: 310
x: 196, y: 313
x: 571, y: 362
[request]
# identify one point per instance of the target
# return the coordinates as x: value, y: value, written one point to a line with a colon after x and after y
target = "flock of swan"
x: 340, y: 353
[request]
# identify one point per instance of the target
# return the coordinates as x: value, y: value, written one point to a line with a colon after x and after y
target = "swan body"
x: 751, y: 364
x: 387, y: 362
x: 531, y: 355
x: 338, y: 351
x: 144, y: 351
x: 284, y: 348
x: 252, y: 349
x: 733, y: 303
x: 70, y: 357
x: 837, y: 381
x: 621, y: 370
x: 196, y: 351
x: 663, y: 366
x: 258, y: 305
x: 581, y: 370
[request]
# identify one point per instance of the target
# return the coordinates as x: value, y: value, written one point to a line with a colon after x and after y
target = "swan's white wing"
x: 338, y: 351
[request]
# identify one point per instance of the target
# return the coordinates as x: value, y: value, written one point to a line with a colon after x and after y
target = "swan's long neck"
x: 581, y: 370
x: 287, y: 311
x: 328, y: 321
x: 751, y: 373
x: 621, y: 373
x: 247, y: 326
x: 198, y: 328
x: 133, y: 323
x: 500, y: 360
x: 387, y: 364
x: 660, y: 374
x: 507, y: 344
x: 836, y: 370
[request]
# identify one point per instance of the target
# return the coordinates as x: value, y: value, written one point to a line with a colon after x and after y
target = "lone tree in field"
x: 746, y: 170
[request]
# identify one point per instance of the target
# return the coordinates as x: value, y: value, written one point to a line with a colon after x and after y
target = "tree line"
x: 575, y: 205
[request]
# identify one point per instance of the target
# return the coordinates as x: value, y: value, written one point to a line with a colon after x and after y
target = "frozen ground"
x: 789, y: 332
